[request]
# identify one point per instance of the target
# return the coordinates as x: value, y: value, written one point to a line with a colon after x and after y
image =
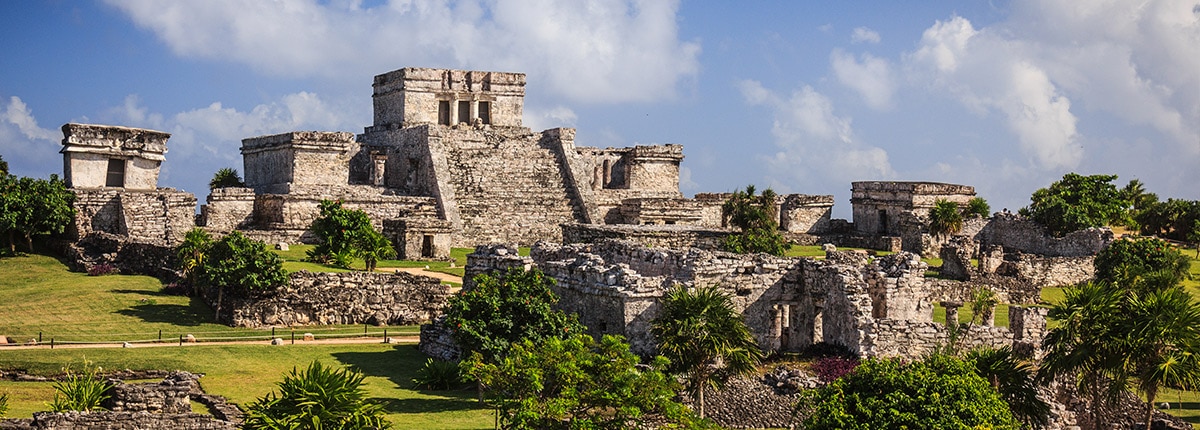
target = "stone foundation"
x: 652, y: 236
x: 162, y: 215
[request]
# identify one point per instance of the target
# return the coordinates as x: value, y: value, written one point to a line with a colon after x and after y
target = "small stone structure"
x: 340, y: 298
x: 879, y: 207
x: 419, y: 238
x: 113, y: 172
x: 874, y: 307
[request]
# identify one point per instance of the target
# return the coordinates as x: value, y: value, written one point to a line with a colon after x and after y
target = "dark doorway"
x: 444, y: 112
x: 485, y: 112
x: 464, y: 112
x: 116, y: 173
x: 427, y: 246
x: 883, y: 222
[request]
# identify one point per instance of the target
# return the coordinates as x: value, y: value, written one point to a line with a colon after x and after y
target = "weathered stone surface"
x: 131, y: 257
x: 1016, y: 233
x: 652, y: 236
x: 89, y: 150
x: 340, y: 298
x: 163, y: 215
x: 877, y: 205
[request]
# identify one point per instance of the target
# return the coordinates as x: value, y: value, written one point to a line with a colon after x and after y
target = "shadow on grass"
x: 145, y: 293
x: 191, y: 315
x: 429, y: 405
x: 398, y: 365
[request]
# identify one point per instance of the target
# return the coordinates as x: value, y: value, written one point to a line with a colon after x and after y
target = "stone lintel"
x: 320, y: 141
x: 114, y: 140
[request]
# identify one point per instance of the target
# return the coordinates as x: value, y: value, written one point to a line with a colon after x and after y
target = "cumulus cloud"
x: 541, y: 119
x: 868, y: 75
x: 864, y: 35
x: 29, y: 149
x: 603, y: 51
x: 815, y: 144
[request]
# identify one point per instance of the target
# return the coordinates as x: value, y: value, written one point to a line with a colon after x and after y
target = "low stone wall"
x: 750, y: 403
x: 108, y: 420
x: 171, y: 396
x: 341, y: 298
x: 437, y: 341
x: 155, y: 259
x: 1049, y: 271
x: 652, y: 236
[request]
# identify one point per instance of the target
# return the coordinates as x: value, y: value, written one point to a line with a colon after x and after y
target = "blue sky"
x: 801, y: 96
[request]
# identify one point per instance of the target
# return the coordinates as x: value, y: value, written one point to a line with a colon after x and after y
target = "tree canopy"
x: 242, y: 266
x: 500, y: 311
x: 1076, y: 202
x: 945, y: 218
x: 33, y: 207
x: 938, y: 392
x: 756, y: 217
x: 577, y: 382
x: 1127, y: 262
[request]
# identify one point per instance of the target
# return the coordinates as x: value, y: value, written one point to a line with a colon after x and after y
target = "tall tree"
x: 1076, y: 202
x: 705, y: 338
x: 500, y: 311
x: 1084, y: 345
x: 756, y: 217
x: 1160, y: 330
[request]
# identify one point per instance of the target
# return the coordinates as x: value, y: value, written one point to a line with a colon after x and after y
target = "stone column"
x: 951, y: 312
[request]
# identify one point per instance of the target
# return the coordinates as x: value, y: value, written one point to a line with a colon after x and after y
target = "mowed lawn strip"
x: 244, y: 373
x: 39, y: 295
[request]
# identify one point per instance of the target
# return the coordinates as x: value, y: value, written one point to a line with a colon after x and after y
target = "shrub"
x: 1124, y: 261
x: 102, y: 269
x: 80, y: 391
x: 829, y: 369
x: 438, y: 375
x: 3, y: 402
x: 345, y: 234
x: 501, y: 311
x: 755, y: 216
x: 242, y: 266
x: 315, y: 398
x: 978, y: 206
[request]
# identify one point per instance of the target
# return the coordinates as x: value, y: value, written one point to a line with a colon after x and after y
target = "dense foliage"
x: 438, y: 375
x: 191, y: 255
x: 939, y: 392
x: 1076, y: 202
x: 577, y: 383
x: 319, y: 397
x: 1014, y: 380
x: 242, y: 266
x: 33, y: 207
x: 81, y: 390
x: 3, y: 396
x: 755, y: 216
x: 945, y: 218
x: 977, y: 206
x: 1112, y: 336
x: 1173, y: 219
x: 3, y: 166
x: 1124, y: 262
x: 226, y: 177
x: 502, y: 310
x: 345, y: 234
x: 705, y: 338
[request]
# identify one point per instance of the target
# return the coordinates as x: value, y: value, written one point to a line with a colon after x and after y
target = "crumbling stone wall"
x: 1016, y: 233
x: 129, y: 257
x: 288, y: 216
x: 419, y: 238
x: 340, y: 298
x: 163, y: 215
x: 228, y: 209
x: 652, y: 236
x: 108, y: 420
x: 878, y: 205
x: 90, y: 150
x: 170, y: 396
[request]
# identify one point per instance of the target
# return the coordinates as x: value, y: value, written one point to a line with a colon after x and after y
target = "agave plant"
x: 80, y: 391
x: 318, y: 397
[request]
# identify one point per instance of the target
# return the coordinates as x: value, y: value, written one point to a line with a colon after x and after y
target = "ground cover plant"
x: 245, y: 373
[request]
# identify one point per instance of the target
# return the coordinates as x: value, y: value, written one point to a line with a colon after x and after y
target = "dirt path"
x: 419, y: 271
x: 407, y: 339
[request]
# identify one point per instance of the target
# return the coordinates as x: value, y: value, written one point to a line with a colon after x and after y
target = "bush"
x: 978, y: 206
x: 755, y: 216
x: 829, y: 369
x: 315, y: 398
x: 501, y: 311
x: 102, y: 269
x: 226, y: 177
x: 939, y: 392
x: 438, y: 375
x: 944, y: 218
x: 345, y: 234
x: 80, y: 391
x: 1125, y: 261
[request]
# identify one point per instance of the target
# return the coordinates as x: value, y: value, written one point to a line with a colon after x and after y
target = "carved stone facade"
x: 880, y: 208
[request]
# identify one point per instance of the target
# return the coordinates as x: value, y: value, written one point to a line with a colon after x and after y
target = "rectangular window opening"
x: 464, y: 112
x: 116, y: 173
x: 444, y: 112
x: 485, y: 112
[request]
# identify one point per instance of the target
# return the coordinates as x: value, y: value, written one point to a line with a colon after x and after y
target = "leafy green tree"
x: 1076, y: 202
x: 80, y: 391
x: 944, y: 218
x: 1124, y: 262
x: 34, y: 207
x: 3, y: 166
x: 755, y: 216
x: 1014, y: 380
x: 317, y: 398
x: 1194, y: 236
x: 191, y: 255
x: 502, y: 310
x: 242, y: 266
x: 977, y: 206
x: 226, y: 177
x: 347, y: 233
x: 577, y: 383
x: 938, y: 392
x: 705, y: 338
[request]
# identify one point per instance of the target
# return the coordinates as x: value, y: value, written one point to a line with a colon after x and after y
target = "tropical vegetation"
x: 316, y: 398
x: 1076, y: 202
x: 345, y: 234
x: 755, y: 216
x: 226, y: 177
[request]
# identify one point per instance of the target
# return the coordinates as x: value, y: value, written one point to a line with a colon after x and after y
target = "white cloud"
x: 864, y: 34
x: 815, y: 143
x: 595, y: 51
x: 29, y: 149
x: 541, y: 119
x: 871, y: 77
x: 19, y: 115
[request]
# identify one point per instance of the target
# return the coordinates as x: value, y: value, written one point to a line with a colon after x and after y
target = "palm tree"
x: 373, y: 247
x: 1014, y: 380
x: 705, y: 338
x: 191, y: 254
x: 945, y: 218
x: 1162, y: 337
x: 1085, y: 345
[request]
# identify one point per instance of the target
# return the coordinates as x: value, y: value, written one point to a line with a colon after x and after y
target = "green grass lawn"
x: 245, y: 372
x: 293, y: 260
x: 39, y: 295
